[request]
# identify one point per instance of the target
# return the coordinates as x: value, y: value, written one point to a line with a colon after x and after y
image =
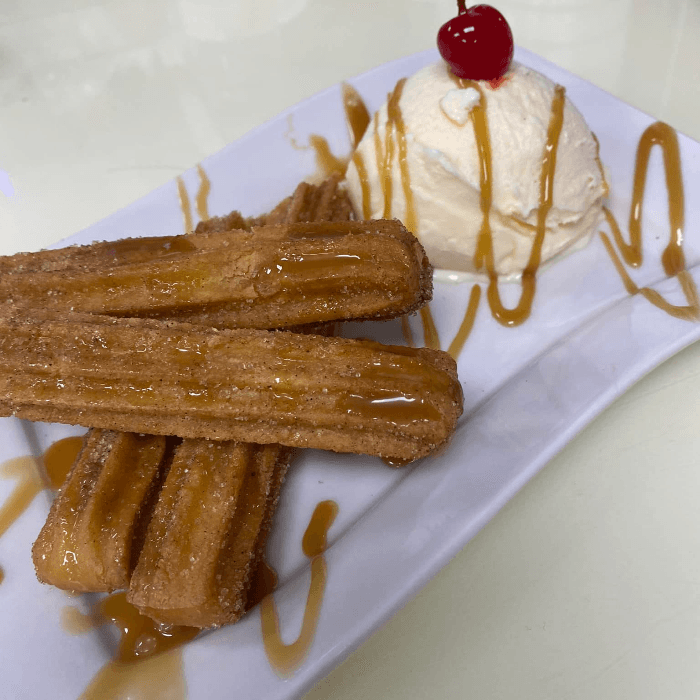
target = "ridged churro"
x: 96, y: 524
x: 168, y: 378
x: 267, y: 278
x: 208, y: 527
x: 106, y: 495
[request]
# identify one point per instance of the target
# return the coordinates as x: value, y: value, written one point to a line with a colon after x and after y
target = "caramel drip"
x: 140, y: 636
x: 359, y: 162
x: 357, y: 118
x: 286, y: 658
x: 148, y: 664
x: 202, y: 198
x: 691, y: 312
x: 673, y: 258
x: 380, y: 156
x: 59, y: 458
x: 29, y: 483
x: 394, y: 141
x: 76, y: 622
x: 467, y: 324
x: 159, y: 677
x: 185, y: 205
x: 406, y: 330
x: 399, y: 408
x: 396, y: 118
x: 484, y: 250
x: 32, y: 479
x: 356, y: 113
x: 322, y: 264
x: 327, y: 163
x: 430, y: 334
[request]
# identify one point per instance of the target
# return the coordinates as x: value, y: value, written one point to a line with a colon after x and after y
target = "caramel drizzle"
x: 430, y: 333
x: 672, y: 258
x: 29, y: 484
x: 357, y: 119
x: 394, y: 142
x: 149, y: 652
x: 286, y: 658
x: 185, y: 207
x: 483, y: 256
x: 327, y: 163
x: 356, y: 113
x: 467, y: 324
x: 359, y: 162
x: 33, y: 476
x: 201, y: 200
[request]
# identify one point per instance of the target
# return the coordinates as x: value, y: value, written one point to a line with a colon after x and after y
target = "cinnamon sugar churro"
x: 96, y: 524
x: 207, y: 532
x: 96, y: 528
x: 269, y: 277
x: 168, y: 378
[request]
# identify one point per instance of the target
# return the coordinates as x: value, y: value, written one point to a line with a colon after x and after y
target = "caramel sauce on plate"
x: 467, y: 324
x: 430, y: 333
x: 357, y: 119
x: 185, y: 207
x: 33, y: 476
x: 326, y: 162
x: 286, y: 658
x: 673, y: 258
x: 201, y: 199
x: 148, y: 663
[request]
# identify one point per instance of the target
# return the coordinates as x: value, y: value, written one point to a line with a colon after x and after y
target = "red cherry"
x: 477, y: 44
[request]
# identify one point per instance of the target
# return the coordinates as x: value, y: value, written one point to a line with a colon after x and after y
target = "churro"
x: 170, y: 378
x: 269, y: 277
x: 206, y: 533
x: 110, y: 457
x: 93, y: 533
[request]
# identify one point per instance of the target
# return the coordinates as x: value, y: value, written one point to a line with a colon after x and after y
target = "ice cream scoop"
x: 419, y: 161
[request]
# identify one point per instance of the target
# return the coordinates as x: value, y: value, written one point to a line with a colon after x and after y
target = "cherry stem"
x: 461, y: 6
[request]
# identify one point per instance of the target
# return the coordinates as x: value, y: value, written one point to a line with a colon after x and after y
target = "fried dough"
x: 93, y: 532
x: 202, y: 544
x: 168, y: 378
x: 267, y: 278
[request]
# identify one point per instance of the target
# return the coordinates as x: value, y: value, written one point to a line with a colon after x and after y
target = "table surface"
x: 587, y: 585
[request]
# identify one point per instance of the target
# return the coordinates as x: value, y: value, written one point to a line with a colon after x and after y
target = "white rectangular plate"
x: 527, y: 391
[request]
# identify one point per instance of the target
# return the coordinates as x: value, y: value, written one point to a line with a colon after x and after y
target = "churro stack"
x: 164, y: 347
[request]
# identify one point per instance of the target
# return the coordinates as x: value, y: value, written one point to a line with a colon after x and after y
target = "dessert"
x: 92, y: 535
x: 168, y: 378
x: 207, y: 534
x: 96, y: 530
x: 270, y: 277
x: 424, y: 160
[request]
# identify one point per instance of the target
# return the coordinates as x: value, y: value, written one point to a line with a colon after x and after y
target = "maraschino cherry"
x: 477, y: 44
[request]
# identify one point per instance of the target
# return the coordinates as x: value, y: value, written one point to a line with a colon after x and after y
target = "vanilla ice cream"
x: 443, y: 169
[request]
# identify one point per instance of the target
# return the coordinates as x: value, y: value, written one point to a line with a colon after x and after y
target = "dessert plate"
x: 528, y: 390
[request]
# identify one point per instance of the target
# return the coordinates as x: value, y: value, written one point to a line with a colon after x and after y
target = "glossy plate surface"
x: 527, y: 391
